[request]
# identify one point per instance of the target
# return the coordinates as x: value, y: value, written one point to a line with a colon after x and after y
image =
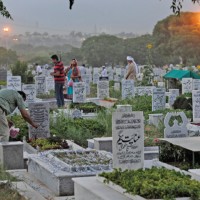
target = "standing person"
x: 68, y: 73
x: 9, y: 101
x: 131, y: 69
x: 59, y: 78
x: 76, y: 75
x: 104, y: 72
x: 38, y: 69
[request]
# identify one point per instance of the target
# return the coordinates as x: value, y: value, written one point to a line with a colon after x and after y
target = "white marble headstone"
x: 127, y: 89
x: 50, y: 84
x: 128, y: 140
x: 86, y: 79
x: 196, y: 105
x: 158, y: 99
x: 14, y: 82
x: 144, y: 90
x: 30, y: 91
x: 173, y: 94
x: 79, y: 92
x: 177, y: 130
x: 40, y: 82
x: 187, y: 85
x: 103, y: 89
x: 196, y: 84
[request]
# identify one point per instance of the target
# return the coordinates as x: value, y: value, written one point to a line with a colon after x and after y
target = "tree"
x: 4, y: 11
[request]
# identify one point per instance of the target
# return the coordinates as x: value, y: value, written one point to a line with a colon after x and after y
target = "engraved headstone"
x: 173, y: 94
x: 196, y: 106
x: 79, y: 92
x: 187, y: 85
x: 3, y: 75
x: 103, y: 89
x: 39, y: 112
x: 95, y: 78
x: 196, y: 84
x: 127, y: 89
x: 158, y: 99
x: 14, y: 82
x: 117, y: 86
x: 30, y: 91
x: 147, y: 90
x: 40, y: 82
x: 128, y: 140
x: 178, y: 129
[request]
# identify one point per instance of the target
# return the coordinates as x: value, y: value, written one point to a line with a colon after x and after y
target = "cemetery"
x: 115, y: 138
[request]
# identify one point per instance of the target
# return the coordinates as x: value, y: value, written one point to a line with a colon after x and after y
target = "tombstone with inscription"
x: 39, y: 112
x: 128, y: 140
x: 173, y: 94
x: 79, y: 92
x: 147, y: 90
x: 196, y: 106
x: 103, y: 89
x: 127, y: 89
x: 86, y: 79
x: 158, y: 99
x: 177, y: 130
x: 40, y: 82
x: 50, y: 85
x: 117, y: 86
x: 14, y: 82
x: 30, y: 91
x: 196, y: 84
x: 187, y: 85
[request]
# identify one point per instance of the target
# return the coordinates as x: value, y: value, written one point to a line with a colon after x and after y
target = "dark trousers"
x: 59, y: 94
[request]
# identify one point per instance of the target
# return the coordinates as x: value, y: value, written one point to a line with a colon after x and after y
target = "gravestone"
x: 95, y: 78
x: 147, y: 90
x: 30, y: 91
x: 196, y: 84
x: 103, y: 89
x: 127, y: 89
x: 79, y: 92
x: 158, y: 99
x: 14, y: 82
x: 196, y: 106
x: 86, y: 79
x: 76, y: 114
x: 177, y: 130
x: 39, y: 112
x: 50, y: 84
x: 161, y: 84
x: 173, y: 94
x: 40, y: 82
x: 110, y: 74
x: 128, y: 140
x: 117, y: 86
x: 3, y: 75
x: 187, y: 85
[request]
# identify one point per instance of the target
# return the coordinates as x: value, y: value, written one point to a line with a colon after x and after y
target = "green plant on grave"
x: 3, y: 83
x: 155, y: 183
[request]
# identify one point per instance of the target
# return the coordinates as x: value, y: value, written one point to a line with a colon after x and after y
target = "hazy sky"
x: 110, y: 16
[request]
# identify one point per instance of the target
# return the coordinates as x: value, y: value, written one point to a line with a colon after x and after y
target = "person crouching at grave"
x: 131, y: 70
x: 9, y: 101
x: 59, y: 78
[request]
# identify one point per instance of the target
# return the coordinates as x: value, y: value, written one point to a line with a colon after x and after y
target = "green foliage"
x: 4, y: 12
x: 182, y: 102
x: 3, y: 83
x: 78, y: 130
x: 86, y: 107
x: 155, y: 183
x: 7, y: 57
x: 21, y: 69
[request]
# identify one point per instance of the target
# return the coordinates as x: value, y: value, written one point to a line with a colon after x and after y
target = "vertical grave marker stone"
x: 196, y: 106
x: 14, y: 82
x: 103, y: 89
x: 173, y: 94
x: 86, y: 79
x: 127, y: 89
x: 196, y: 84
x: 187, y: 85
x: 40, y: 82
x: 158, y: 99
x: 128, y: 140
x: 50, y: 85
x: 79, y: 92
x: 39, y: 112
x: 30, y: 91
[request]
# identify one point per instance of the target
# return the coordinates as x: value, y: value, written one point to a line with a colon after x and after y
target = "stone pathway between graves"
x: 37, y: 186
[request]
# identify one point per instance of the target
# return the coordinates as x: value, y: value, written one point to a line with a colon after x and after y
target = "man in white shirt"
x: 82, y: 70
x: 38, y: 69
x: 104, y: 72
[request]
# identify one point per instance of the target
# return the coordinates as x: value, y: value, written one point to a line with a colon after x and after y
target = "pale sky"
x: 110, y: 16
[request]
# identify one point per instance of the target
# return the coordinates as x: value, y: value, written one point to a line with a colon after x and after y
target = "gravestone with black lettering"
x: 30, y: 91
x: 177, y: 129
x: 196, y: 106
x: 103, y: 89
x: 128, y: 140
x: 40, y: 82
x: 144, y: 90
x: 196, y: 84
x: 79, y: 92
x: 127, y: 89
x: 158, y: 99
x: 39, y: 112
x: 14, y: 82
x: 187, y: 85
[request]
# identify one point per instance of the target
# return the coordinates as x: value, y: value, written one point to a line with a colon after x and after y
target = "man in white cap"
x: 132, y: 69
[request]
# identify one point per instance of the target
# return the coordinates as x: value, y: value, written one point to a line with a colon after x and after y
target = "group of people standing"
x: 62, y: 76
